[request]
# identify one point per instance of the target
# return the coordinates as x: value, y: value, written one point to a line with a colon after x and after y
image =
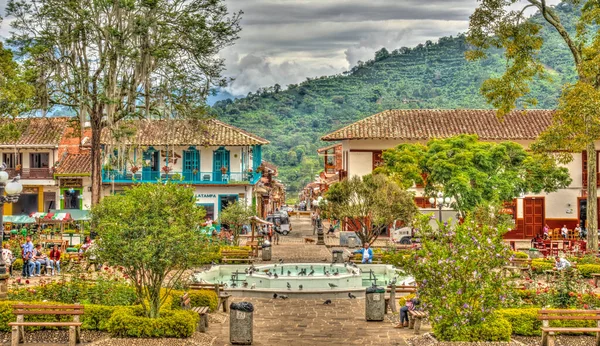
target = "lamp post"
x: 12, y: 188
x: 441, y: 202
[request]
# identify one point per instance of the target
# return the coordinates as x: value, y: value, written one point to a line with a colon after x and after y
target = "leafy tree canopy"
x: 151, y: 230
x: 373, y: 201
x: 472, y: 171
x: 235, y: 216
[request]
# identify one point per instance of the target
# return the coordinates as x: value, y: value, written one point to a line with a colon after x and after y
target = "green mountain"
x: 430, y: 75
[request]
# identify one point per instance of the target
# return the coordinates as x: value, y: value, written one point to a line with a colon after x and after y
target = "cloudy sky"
x: 285, y: 41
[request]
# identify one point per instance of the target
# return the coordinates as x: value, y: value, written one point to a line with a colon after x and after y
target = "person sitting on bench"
x: 367, y: 254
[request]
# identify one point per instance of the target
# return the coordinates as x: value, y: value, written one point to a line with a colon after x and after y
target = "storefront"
x: 215, y: 199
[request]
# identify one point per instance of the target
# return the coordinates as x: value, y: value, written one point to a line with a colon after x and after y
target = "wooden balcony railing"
x: 31, y: 173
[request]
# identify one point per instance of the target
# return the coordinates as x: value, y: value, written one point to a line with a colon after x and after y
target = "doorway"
x: 533, y: 215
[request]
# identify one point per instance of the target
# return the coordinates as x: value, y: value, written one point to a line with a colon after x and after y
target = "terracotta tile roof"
x: 211, y: 132
x: 75, y: 164
x: 39, y: 131
x: 333, y: 146
x: 419, y: 124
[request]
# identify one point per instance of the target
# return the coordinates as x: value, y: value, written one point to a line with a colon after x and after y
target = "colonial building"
x: 364, y: 141
x: 270, y: 192
x: 332, y: 167
x: 220, y: 161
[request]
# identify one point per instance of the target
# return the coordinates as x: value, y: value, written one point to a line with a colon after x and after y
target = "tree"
x: 474, y: 172
x: 151, y: 230
x: 373, y: 201
x: 575, y: 127
x: 235, y: 216
x: 114, y: 60
x: 16, y: 94
x: 456, y: 270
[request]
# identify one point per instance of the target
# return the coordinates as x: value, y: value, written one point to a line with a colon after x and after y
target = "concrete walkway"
x: 309, y: 322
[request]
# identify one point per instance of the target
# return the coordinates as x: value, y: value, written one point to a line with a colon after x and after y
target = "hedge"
x: 495, y: 328
x: 540, y: 265
x: 525, y: 321
x: 130, y: 322
x: 197, y: 298
x: 519, y: 254
x: 587, y: 270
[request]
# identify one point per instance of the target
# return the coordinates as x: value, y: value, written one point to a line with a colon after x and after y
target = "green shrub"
x: 197, y: 298
x: 18, y: 264
x: 519, y: 254
x: 495, y: 328
x: 586, y: 270
x: 523, y: 321
x: 131, y: 322
x: 96, y: 317
x: 538, y: 266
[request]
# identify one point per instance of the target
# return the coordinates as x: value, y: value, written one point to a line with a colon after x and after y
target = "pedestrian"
x: 367, y: 254
x: 26, y: 255
x: 562, y: 263
x: 331, y: 230
x: 55, y: 259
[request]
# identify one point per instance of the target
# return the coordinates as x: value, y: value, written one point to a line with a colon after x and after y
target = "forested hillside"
x: 430, y: 75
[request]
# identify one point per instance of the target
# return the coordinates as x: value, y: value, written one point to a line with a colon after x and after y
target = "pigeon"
x: 276, y: 276
x: 233, y: 285
x: 311, y: 268
x: 332, y: 285
x: 327, y: 302
x: 245, y: 284
x: 289, y: 287
x: 351, y: 296
x: 289, y: 273
x: 253, y: 286
x: 312, y: 272
x: 324, y: 270
x: 269, y: 274
x: 274, y: 295
x: 336, y: 273
x: 283, y: 296
x: 393, y: 282
x: 345, y: 264
x: 281, y: 261
x: 296, y: 268
x: 327, y: 273
x: 300, y: 287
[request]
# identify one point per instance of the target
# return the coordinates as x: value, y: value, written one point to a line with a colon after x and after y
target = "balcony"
x: 31, y: 173
x: 196, y: 178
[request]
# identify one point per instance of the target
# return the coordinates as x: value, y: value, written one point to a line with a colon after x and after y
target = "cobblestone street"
x: 309, y: 322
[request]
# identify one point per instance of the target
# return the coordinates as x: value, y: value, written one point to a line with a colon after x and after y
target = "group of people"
x: 34, y: 257
x: 564, y: 232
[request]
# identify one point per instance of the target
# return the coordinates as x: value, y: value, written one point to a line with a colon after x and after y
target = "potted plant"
x: 195, y: 171
x: 166, y: 169
x: 18, y: 167
x: 134, y: 169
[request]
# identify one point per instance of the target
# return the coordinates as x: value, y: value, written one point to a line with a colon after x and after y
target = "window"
x: 12, y: 160
x: 39, y: 160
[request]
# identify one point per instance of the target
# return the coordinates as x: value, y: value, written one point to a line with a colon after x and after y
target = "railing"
x: 31, y: 173
x: 187, y: 177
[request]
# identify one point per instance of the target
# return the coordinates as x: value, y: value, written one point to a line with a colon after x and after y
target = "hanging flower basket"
x: 166, y: 169
x: 195, y: 171
x: 134, y: 169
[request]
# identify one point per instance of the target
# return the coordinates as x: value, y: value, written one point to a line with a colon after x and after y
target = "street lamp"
x: 12, y: 188
x: 441, y: 202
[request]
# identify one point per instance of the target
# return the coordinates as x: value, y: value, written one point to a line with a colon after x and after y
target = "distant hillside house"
x: 219, y: 160
x: 364, y: 141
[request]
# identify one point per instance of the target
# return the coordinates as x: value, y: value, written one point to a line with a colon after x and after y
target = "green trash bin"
x: 71, y: 249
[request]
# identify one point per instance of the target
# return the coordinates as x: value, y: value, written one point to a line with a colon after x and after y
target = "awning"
x: 20, y: 219
x: 52, y: 216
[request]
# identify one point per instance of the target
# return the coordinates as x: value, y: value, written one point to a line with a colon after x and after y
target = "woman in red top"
x: 55, y: 259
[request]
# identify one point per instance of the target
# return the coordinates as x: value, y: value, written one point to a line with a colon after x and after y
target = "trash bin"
x: 338, y: 256
x: 375, y: 304
x: 240, y: 323
x: 266, y: 251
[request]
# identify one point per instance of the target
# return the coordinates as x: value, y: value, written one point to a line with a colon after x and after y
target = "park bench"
x: 518, y: 265
x: 237, y: 256
x: 202, y: 311
x: 596, y: 276
x: 223, y: 296
x: 578, y: 315
x: 390, y: 300
x: 415, y: 319
x: 357, y: 258
x: 21, y: 310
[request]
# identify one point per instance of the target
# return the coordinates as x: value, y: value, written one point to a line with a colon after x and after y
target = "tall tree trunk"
x: 96, y: 160
x: 592, y: 199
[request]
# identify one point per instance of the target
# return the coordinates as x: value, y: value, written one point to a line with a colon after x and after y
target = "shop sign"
x: 206, y: 195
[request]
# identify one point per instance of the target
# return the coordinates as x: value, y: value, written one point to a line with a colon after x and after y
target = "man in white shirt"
x: 562, y: 264
x: 8, y: 257
x: 564, y: 231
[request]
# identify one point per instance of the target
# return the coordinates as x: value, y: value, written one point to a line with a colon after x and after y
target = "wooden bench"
x: 223, y: 296
x: 202, y: 311
x: 415, y: 319
x: 309, y: 240
x: 596, y: 276
x: 548, y: 336
x: 20, y: 310
x: 357, y: 258
x: 237, y: 256
x: 390, y: 300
